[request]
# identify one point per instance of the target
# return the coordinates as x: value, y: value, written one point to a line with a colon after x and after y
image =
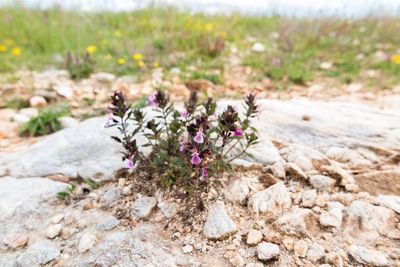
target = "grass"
x: 295, y: 48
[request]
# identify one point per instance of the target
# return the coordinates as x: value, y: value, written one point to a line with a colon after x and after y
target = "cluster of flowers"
x: 195, y: 142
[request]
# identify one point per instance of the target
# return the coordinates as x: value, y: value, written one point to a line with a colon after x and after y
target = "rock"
x: 237, y: 191
x: 142, y: 207
x: 254, y: 237
x: 271, y: 201
x: 348, y: 156
x: 295, y: 171
x: 29, y: 112
x: 86, y: 242
x: 315, y: 252
x: 26, y: 196
x: 20, y: 118
x: 57, y: 218
x: 38, y: 254
x: 267, y: 251
x: 390, y: 201
x: 300, y: 248
x: 297, y: 222
x: 187, y: 249
x: 218, y: 225
x: 53, y: 231
x: 65, y: 90
x: 103, y: 77
x: 326, y: 65
x: 258, y: 48
x: 366, y: 222
x: 168, y: 208
x: 105, y: 222
x: 110, y: 196
x: 67, y: 122
x: 322, y: 182
x: 278, y: 170
x: 368, y: 256
x: 85, y: 150
x: 341, y: 175
x: 15, y: 241
x: 334, y: 215
x: 37, y: 101
x: 309, y: 198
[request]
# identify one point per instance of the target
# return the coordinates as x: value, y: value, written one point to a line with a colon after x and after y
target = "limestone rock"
x: 322, y: 182
x: 218, y: 225
x: 267, y: 251
x: 15, y: 241
x: 142, y: 207
x: 86, y: 242
x: 297, y: 222
x: 366, y: 222
x: 168, y: 208
x: 110, y: 196
x: 295, y: 171
x: 254, y: 237
x: 53, y: 230
x: 103, y: 77
x: 300, y: 248
x: 271, y: 201
x: 258, y: 48
x: 334, y: 215
x: 187, y: 249
x: 237, y: 191
x: 315, y: 252
x: 65, y: 90
x: 105, y: 221
x: 38, y: 254
x: 368, y: 256
x: 37, y: 101
x: 309, y: 198
x: 278, y: 170
x: 67, y: 122
x: 390, y: 201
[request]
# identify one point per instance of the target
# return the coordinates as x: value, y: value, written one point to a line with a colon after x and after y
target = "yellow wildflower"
x: 91, y: 49
x: 16, y: 51
x: 3, y: 48
x: 209, y: 27
x: 137, y: 56
x: 140, y: 63
x: 395, y: 58
x: 156, y: 64
x: 121, y: 61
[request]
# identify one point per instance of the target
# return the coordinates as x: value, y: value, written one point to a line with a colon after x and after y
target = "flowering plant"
x: 187, y: 146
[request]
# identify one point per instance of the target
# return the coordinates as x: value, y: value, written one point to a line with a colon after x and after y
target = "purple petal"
x: 195, y: 159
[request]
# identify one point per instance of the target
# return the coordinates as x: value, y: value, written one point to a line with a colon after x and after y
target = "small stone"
x: 278, y: 170
x: 15, y: 240
x: 103, y: 77
x: 57, y: 218
x: 53, y: 231
x: 254, y: 237
x: 300, y: 248
x: 271, y: 201
x: 295, y: 171
x: 297, y: 222
x: 187, y: 249
x: 258, y: 48
x: 322, y: 182
x: 29, y: 112
x: 65, y: 90
x: 334, y: 216
x: 86, y: 242
x: 142, y: 207
x: 38, y: 254
x: 237, y: 191
x: 106, y: 222
x: 315, y: 252
x: 110, y: 196
x: 326, y: 65
x: 288, y: 242
x: 267, y: 251
x: 390, y: 201
x: 368, y: 256
x: 218, y: 225
x: 67, y: 122
x: 168, y: 208
x: 37, y: 101
x: 20, y: 118
x: 309, y: 198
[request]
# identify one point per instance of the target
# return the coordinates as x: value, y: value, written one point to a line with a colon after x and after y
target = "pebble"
x: 322, y: 182
x: 334, y: 215
x: 315, y: 252
x: 309, y: 198
x: 86, y: 242
x: 187, y: 249
x: 267, y: 251
x: 218, y: 224
x: 53, y: 230
x: 38, y: 254
x: 254, y: 237
x: 368, y: 256
x: 57, y: 218
x: 258, y: 48
x: 142, y: 207
x: 110, y: 196
x: 15, y: 241
x: 300, y: 248
x: 278, y: 170
x: 37, y: 101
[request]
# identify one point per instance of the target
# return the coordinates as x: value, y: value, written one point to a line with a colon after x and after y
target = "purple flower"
x: 184, y: 114
x: 195, y: 158
x: 199, y: 138
x: 204, y: 172
x: 238, y: 131
x: 131, y: 164
x: 109, y: 120
x: 151, y: 100
x: 182, y: 147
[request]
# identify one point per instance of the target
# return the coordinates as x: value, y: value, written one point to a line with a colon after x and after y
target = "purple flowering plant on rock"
x: 189, y: 145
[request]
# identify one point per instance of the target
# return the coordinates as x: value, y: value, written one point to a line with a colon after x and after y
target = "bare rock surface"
x: 218, y: 225
x: 368, y: 256
x: 38, y: 254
